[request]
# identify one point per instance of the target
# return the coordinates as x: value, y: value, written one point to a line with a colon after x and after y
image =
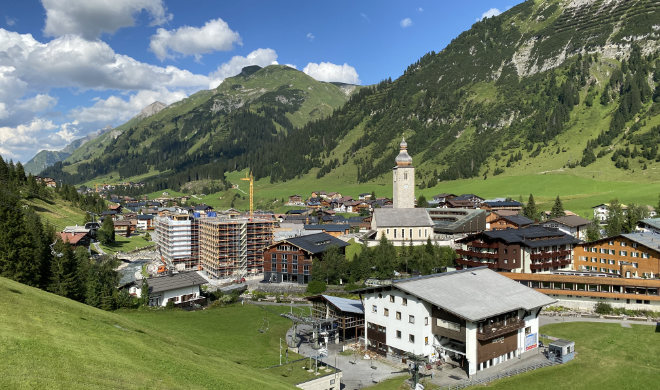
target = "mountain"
x: 553, y: 85
x: 152, y: 109
x: 209, y: 132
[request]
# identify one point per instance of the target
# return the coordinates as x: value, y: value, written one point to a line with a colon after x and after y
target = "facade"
x: 145, y: 222
x: 177, y: 240
x: 633, y: 255
x: 649, y: 225
x: 290, y: 260
x: 233, y: 246
x: 499, y: 205
x: 583, y: 292
x: 347, y: 315
x: 531, y: 249
x: 474, y: 316
x: 570, y: 224
x: 402, y: 226
x: 403, y: 179
x: 178, y: 288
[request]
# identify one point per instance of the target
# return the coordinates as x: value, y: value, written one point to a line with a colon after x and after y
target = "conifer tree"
x: 614, y: 221
x: 106, y: 233
x: 530, y: 211
x: 64, y: 279
x: 557, y: 209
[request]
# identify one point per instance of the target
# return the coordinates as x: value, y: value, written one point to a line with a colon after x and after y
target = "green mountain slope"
x: 44, y: 159
x: 52, y: 342
x: 186, y: 140
x: 548, y: 86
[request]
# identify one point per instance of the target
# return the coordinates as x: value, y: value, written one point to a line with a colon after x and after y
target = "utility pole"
x: 280, y: 351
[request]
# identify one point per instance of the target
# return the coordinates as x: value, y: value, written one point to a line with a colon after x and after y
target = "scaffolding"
x: 233, y: 247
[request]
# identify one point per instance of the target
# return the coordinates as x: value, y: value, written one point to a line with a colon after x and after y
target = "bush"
x: 256, y: 295
x: 316, y: 287
x: 603, y: 308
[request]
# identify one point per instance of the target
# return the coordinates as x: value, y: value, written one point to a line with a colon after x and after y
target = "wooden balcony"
x: 470, y: 263
x: 497, y: 329
x: 550, y: 264
x: 550, y: 255
x: 479, y: 255
x: 481, y: 244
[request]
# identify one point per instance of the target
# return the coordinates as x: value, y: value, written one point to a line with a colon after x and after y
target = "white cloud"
x: 407, y: 22
x: 91, y: 18
x: 261, y: 57
x: 326, y: 71
x: 24, y: 140
x: 9, y: 21
x: 215, y: 35
x: 310, y: 36
x: 420, y: 9
x: 116, y: 109
x: 489, y: 14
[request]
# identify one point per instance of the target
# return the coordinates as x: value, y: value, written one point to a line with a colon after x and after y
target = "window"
x: 294, y: 259
x: 411, y: 338
x: 394, y: 233
x: 528, y: 330
x: 411, y: 235
x: 273, y: 257
x: 306, y: 269
x: 611, y: 242
x: 374, y: 309
x: 645, y: 255
x: 426, y: 320
x: 411, y: 319
x: 398, y: 334
x: 623, y: 243
x: 403, y: 233
x: 623, y: 253
x: 612, y: 252
x: 398, y: 315
x: 392, y: 298
x: 634, y: 245
x: 426, y: 340
x: 285, y: 257
x: 612, y: 262
x: 386, y: 312
x: 506, y: 261
x: 405, y: 302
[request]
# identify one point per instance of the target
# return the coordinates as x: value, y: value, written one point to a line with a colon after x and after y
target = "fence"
x: 505, y: 374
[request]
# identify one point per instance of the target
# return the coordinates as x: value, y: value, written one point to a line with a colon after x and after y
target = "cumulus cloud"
x: 9, y: 21
x: 310, y: 36
x: 16, y: 141
x: 489, y: 14
x: 261, y: 57
x: 407, y: 22
x: 215, y: 35
x: 91, y: 18
x: 326, y: 71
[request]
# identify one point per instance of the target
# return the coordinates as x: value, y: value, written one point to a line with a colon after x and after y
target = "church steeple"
x: 403, y: 159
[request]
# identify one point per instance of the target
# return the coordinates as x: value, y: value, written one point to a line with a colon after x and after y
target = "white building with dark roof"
x: 474, y: 316
x: 178, y: 288
x: 570, y: 224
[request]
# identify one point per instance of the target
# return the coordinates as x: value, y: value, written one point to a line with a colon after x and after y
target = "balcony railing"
x: 481, y: 244
x: 497, y: 329
x: 550, y: 264
x: 470, y: 263
x: 550, y: 255
x: 481, y: 255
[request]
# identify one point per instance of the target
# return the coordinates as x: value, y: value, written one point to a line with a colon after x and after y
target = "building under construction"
x: 233, y: 246
x: 177, y: 240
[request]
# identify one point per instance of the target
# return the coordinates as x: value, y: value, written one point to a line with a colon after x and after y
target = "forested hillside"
x: 546, y: 86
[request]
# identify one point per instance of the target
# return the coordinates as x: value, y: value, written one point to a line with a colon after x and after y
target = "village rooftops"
x: 497, y: 203
x: 519, y: 220
x: 531, y: 236
x: 316, y: 243
x: 401, y: 218
x: 329, y: 227
x: 571, y: 220
x: 651, y: 222
x: 175, y: 281
x: 473, y: 294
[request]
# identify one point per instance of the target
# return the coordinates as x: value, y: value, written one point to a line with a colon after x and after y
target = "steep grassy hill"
x: 47, y: 341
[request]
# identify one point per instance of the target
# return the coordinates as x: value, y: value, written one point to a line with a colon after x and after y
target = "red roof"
x: 72, y: 238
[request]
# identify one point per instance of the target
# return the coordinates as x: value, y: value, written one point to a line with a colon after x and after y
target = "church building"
x: 402, y: 224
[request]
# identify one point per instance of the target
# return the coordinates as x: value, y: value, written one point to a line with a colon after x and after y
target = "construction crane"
x: 250, y: 178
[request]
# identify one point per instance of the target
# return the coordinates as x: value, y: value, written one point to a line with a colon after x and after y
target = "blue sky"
x: 71, y: 67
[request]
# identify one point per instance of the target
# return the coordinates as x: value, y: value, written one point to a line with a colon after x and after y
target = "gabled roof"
x: 519, y: 220
x: 531, y: 236
x: 72, y: 238
x: 386, y: 217
x: 144, y: 217
x: 649, y: 240
x: 571, y: 220
x: 316, y: 243
x: 509, y: 203
x: 473, y: 294
x: 467, y: 197
x: 172, y: 282
x: 652, y: 222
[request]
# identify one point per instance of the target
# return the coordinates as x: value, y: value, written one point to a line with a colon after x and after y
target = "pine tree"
x: 421, y: 202
x: 106, y: 233
x: 593, y: 231
x: 614, y: 221
x: 557, y: 209
x: 530, y: 211
x: 64, y: 271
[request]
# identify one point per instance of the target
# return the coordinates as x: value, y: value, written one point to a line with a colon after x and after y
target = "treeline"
x: 31, y: 252
x: 382, y: 261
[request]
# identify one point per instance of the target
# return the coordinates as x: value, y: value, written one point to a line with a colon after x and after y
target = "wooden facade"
x: 619, y: 255
x: 349, y: 323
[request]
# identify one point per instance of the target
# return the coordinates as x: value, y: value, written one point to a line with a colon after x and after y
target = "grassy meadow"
x: 51, y: 342
x: 57, y: 212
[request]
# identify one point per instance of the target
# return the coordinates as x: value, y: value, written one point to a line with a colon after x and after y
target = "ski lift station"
x: 561, y: 351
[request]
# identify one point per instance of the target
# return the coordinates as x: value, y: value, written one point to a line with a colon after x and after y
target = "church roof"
x: 401, y: 218
x: 403, y: 159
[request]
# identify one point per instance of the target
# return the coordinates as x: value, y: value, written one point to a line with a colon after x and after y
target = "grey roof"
x: 649, y: 240
x: 571, y: 220
x: 562, y: 343
x: 452, y: 220
x: 329, y: 227
x: 531, y: 236
x: 316, y: 243
x: 172, y: 282
x: 345, y: 304
x: 509, y: 203
x: 474, y: 294
x: 652, y: 222
x: 519, y: 220
x: 401, y: 217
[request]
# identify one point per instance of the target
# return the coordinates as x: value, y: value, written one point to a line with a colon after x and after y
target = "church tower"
x: 403, y: 176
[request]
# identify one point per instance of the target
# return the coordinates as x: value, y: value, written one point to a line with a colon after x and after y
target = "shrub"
x: 603, y: 308
x: 316, y: 287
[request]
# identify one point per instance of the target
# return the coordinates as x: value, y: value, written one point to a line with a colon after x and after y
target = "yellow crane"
x: 250, y: 178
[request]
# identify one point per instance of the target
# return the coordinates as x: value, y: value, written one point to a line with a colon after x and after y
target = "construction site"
x: 233, y: 246
x: 177, y: 240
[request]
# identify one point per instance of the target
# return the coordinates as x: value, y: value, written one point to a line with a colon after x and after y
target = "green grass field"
x: 58, y: 213
x: 50, y: 342
x: 126, y: 244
